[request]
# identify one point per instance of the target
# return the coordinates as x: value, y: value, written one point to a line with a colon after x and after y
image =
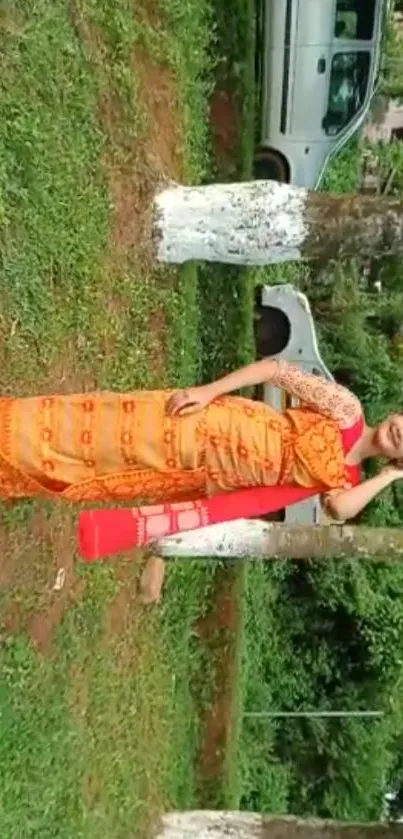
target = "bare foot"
x: 151, y: 580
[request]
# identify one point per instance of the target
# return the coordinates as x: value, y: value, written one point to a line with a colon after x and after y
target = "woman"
x: 205, y: 455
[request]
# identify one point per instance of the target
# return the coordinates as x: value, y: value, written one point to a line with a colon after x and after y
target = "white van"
x: 317, y: 67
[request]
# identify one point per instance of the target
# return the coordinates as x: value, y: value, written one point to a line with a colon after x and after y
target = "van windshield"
x: 348, y: 89
x: 355, y: 19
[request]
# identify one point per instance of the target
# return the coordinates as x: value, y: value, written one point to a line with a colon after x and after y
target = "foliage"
x: 103, y: 730
x: 329, y: 635
x: 392, y: 64
x: 343, y: 175
x: 323, y: 636
x: 100, y: 724
x: 102, y: 704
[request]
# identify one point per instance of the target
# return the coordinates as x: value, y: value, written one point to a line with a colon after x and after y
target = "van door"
x: 313, y: 37
x: 353, y: 65
x: 350, y: 75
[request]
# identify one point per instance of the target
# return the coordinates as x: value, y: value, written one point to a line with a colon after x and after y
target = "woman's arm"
x: 194, y: 399
x: 249, y: 376
x: 348, y: 503
x: 328, y: 398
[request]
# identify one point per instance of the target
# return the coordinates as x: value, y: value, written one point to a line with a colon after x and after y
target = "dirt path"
x: 219, y: 631
x: 225, y: 126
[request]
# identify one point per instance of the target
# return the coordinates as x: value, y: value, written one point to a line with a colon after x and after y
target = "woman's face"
x: 389, y: 437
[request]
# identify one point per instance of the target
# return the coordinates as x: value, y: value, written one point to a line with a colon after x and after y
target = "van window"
x: 347, y: 90
x: 355, y: 19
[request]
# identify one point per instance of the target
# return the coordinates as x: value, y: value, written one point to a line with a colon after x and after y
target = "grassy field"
x: 110, y: 712
x: 103, y: 718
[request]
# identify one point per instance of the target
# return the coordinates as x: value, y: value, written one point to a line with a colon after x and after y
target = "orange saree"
x: 123, y: 447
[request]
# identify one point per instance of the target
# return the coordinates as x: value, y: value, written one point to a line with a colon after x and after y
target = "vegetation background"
x: 110, y: 713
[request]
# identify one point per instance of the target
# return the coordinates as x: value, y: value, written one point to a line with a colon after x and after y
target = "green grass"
x: 229, y: 796
x: 226, y: 299
x: 104, y: 707
x: 101, y: 716
x: 99, y: 731
x: 234, y: 71
x: 54, y: 201
x: 225, y: 303
x: 265, y: 780
x: 220, y: 700
x: 100, y: 735
x: 342, y: 174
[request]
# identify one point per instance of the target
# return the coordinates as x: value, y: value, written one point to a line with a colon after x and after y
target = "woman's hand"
x: 189, y: 401
x: 394, y: 470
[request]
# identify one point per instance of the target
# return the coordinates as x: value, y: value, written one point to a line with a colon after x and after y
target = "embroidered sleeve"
x: 328, y: 398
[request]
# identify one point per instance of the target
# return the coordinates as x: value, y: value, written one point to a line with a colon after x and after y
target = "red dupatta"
x: 109, y: 531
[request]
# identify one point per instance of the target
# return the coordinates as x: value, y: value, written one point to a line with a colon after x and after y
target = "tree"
x: 263, y: 222
x: 247, y: 538
x: 231, y: 825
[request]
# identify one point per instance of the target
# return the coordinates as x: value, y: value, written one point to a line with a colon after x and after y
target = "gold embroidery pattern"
x: 235, y: 443
x: 324, y: 397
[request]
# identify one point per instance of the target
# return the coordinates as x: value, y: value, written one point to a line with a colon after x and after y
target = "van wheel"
x: 270, y: 166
